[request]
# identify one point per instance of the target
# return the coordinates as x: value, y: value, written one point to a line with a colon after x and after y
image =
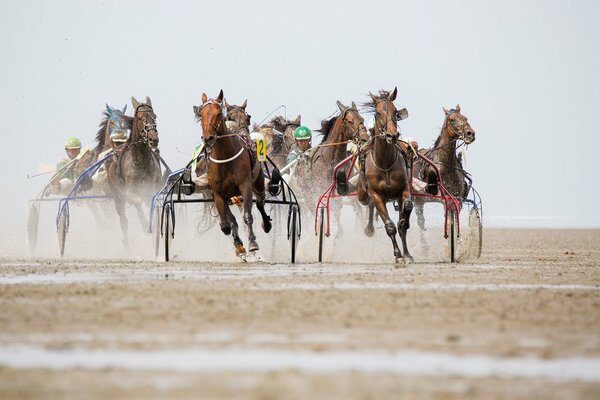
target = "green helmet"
x: 72, y: 143
x: 302, y: 133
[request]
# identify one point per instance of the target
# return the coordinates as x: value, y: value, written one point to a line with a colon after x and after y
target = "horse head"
x: 353, y: 122
x: 385, y: 115
x: 457, y: 125
x: 239, y: 116
x: 286, y: 127
x: 114, y: 118
x: 211, y: 115
x: 144, y: 123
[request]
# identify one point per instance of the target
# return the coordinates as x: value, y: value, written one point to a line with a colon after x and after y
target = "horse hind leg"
x: 404, y: 224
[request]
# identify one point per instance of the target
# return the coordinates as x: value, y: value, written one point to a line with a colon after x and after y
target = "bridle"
x: 457, y: 132
x: 148, y: 122
x: 221, y: 120
x: 361, y: 127
x: 242, y: 125
x: 390, y: 137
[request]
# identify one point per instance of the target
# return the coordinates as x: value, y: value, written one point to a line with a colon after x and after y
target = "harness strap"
x: 229, y: 159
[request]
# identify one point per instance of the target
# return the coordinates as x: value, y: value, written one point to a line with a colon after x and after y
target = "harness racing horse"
x: 385, y: 175
x: 443, y: 154
x: 314, y: 173
x: 281, y: 138
x: 241, y: 124
x: 232, y: 171
x: 239, y: 116
x: 134, y: 172
x: 112, y: 120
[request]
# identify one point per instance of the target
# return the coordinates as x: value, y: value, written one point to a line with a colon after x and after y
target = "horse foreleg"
x: 246, y: 190
x: 404, y: 222
x: 369, y: 229
x: 390, y: 227
x: 120, y: 206
x: 228, y: 223
x: 260, y: 205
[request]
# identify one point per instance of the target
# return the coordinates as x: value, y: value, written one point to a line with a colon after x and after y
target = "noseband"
x: 361, y: 127
x: 457, y: 132
x: 386, y: 135
x: 147, y: 126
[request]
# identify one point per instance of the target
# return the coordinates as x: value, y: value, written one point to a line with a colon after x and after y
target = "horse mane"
x: 326, y: 126
x: 100, y: 136
x: 370, y: 105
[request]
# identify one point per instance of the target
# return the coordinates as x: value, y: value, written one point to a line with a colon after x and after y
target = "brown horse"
x: 232, y: 171
x: 134, y: 172
x: 385, y: 175
x: 443, y: 153
x: 314, y: 173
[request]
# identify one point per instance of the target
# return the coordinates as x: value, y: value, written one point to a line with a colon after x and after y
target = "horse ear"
x: 135, y: 103
x: 220, y: 96
x: 457, y: 107
x: 124, y: 109
x: 245, y: 104
x: 445, y: 110
x: 227, y: 106
x: 298, y: 119
x: 354, y: 106
x: 373, y: 97
x: 108, y: 108
x: 341, y: 106
x: 148, y: 101
x: 204, y: 98
x: 392, y: 96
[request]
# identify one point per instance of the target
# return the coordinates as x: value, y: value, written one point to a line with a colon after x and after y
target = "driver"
x: 66, y: 172
x: 302, y: 137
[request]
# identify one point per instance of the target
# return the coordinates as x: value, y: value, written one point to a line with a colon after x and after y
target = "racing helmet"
x: 302, y: 133
x: 72, y: 143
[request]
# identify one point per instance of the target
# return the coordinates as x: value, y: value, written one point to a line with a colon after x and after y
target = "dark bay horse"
x: 134, y: 173
x: 232, y: 171
x: 385, y: 176
x: 314, y: 173
x: 455, y: 129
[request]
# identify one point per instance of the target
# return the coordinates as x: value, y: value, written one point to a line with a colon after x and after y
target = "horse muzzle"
x: 391, y: 138
x: 469, y: 137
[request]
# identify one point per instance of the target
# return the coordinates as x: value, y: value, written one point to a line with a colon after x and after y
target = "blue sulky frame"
x: 62, y: 217
x: 162, y: 205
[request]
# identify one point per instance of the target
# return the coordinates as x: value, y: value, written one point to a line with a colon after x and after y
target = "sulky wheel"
x: 321, y: 222
x: 62, y: 229
x: 294, y: 231
x: 452, y: 234
x: 167, y: 229
x: 156, y: 230
x: 33, y: 219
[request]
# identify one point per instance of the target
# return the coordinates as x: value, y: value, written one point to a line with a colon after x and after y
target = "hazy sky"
x: 526, y: 73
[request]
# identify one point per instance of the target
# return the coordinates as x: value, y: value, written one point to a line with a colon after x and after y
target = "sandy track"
x: 521, y: 322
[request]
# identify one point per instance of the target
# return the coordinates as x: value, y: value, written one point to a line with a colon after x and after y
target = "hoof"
x: 408, y: 259
x: 253, y: 246
x: 401, y: 262
x: 369, y: 231
x: 239, y: 249
x: 266, y: 225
